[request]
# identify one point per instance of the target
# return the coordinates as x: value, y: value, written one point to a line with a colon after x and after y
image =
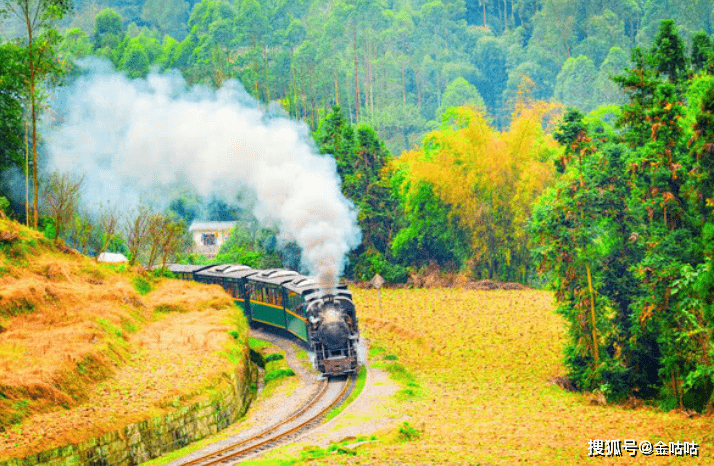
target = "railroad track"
x: 329, y: 394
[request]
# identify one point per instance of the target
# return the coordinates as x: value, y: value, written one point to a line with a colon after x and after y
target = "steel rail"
x: 313, y: 400
x: 227, y: 455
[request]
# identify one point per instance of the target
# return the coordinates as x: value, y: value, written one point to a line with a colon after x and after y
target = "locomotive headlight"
x: 331, y: 315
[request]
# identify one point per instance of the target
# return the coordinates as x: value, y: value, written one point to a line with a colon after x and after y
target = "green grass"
x: 359, y: 385
x: 274, y: 357
x: 278, y: 374
x: 142, y: 285
x: 258, y: 344
x: 400, y: 374
x: 336, y: 453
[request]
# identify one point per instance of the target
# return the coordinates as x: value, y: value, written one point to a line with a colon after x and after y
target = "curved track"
x: 280, y: 420
x: 329, y: 395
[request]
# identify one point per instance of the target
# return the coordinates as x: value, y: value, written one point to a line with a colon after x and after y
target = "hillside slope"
x: 86, y: 347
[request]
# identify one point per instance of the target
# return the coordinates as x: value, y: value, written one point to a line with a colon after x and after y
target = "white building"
x: 208, y: 236
x: 113, y: 257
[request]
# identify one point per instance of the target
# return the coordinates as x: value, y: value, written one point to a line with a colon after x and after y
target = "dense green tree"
x: 669, y: 53
x: 554, y: 30
x: 575, y: 83
x: 603, y: 32
x: 702, y: 53
x: 627, y: 230
x: 605, y: 90
x: 169, y: 16
x: 490, y: 59
x: 12, y: 88
x: 254, y: 248
x: 458, y: 93
x: 108, y: 29
x: 206, y: 53
x: 361, y: 158
x: 430, y: 233
x: 135, y: 59
x: 75, y: 44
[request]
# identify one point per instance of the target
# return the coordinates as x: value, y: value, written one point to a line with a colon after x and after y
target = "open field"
x: 483, y: 361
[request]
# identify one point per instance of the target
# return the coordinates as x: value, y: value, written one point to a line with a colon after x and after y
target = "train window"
x: 294, y: 301
x: 276, y: 297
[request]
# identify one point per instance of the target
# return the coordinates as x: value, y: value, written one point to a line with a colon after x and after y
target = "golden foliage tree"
x: 488, y: 178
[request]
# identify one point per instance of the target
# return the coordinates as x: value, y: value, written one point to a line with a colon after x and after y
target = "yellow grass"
x: 84, y: 353
x: 484, y: 360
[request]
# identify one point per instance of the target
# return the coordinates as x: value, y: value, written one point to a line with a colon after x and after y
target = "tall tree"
x: 628, y: 230
x: 11, y: 106
x: 37, y: 17
x: 702, y: 53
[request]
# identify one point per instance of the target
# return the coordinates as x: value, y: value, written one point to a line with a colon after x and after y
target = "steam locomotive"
x: 287, y: 300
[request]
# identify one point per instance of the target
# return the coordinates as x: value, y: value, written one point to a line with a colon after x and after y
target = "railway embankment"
x: 151, y: 438
x: 106, y: 365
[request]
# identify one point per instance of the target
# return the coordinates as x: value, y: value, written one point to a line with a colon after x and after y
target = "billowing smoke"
x: 130, y: 137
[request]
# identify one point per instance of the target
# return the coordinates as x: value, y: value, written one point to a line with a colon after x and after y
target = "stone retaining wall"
x: 149, y: 439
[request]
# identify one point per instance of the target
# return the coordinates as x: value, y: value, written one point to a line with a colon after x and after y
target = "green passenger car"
x: 294, y: 303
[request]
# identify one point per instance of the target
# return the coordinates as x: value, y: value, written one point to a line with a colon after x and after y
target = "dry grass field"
x: 86, y: 348
x: 483, y: 361
x: 476, y: 366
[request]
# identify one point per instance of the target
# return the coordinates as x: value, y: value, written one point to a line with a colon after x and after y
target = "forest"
x: 549, y: 142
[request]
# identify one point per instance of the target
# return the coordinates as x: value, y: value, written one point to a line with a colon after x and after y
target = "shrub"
x: 141, y: 285
x: 257, y: 358
x: 278, y: 374
x: 273, y: 357
x: 407, y: 432
x: 4, y: 204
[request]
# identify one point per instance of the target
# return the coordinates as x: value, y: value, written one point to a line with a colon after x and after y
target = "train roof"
x: 276, y: 276
x: 291, y: 280
x: 228, y: 271
x: 186, y: 268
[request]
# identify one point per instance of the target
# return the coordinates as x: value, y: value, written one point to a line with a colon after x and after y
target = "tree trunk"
x: 267, y: 74
x: 337, y: 87
x: 404, y: 87
x: 354, y: 50
x: 418, y: 86
x: 592, y: 314
x: 505, y: 15
x: 33, y: 115
x: 27, y: 173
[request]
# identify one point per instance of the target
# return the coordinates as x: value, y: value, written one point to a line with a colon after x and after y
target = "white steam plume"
x: 134, y: 136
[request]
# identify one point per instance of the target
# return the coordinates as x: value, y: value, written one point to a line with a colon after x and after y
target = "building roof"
x: 211, y: 226
x: 112, y: 257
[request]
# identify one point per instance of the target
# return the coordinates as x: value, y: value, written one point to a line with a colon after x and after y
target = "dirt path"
x: 373, y: 410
